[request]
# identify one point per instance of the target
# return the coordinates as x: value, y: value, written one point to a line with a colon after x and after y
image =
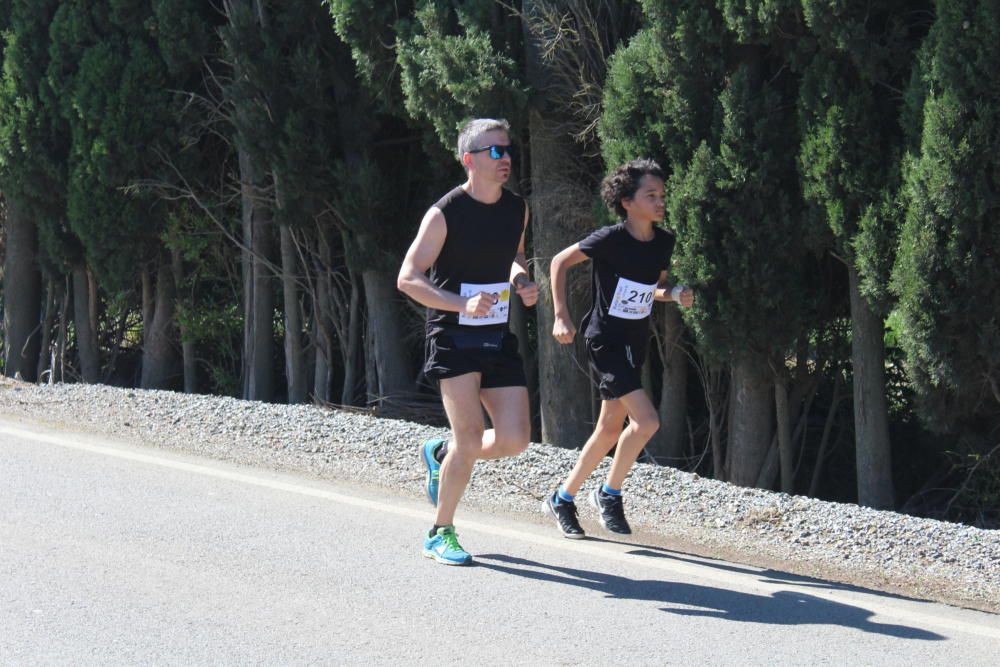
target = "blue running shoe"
x: 433, y: 467
x: 444, y: 547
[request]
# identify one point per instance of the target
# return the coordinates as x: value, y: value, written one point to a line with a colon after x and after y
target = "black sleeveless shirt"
x: 479, y: 248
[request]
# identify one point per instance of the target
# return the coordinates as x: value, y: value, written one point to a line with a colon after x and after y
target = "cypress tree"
x: 849, y: 160
x: 949, y: 248
x: 33, y: 147
x: 742, y: 248
x: 115, y: 84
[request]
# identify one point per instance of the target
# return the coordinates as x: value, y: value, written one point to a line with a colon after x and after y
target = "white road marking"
x: 989, y: 628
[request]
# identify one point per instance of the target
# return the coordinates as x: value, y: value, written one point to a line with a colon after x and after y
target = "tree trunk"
x: 294, y: 360
x: 392, y: 365
x: 825, y: 439
x: 188, y: 358
x: 258, y: 297
x: 159, y: 355
x: 148, y: 304
x: 785, y: 453
x: 86, y: 337
x: 22, y: 293
x: 48, y: 318
x: 322, y: 338
x: 59, y: 356
x: 749, y: 420
x: 560, y: 215
x: 667, y: 446
x: 323, y: 330
x: 371, y: 374
x: 352, y: 357
x: 873, y: 455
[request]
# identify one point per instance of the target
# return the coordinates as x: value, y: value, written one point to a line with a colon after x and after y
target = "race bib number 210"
x: 632, y: 300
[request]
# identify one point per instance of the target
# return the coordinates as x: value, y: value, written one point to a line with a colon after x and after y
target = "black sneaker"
x: 565, y: 515
x: 612, y: 512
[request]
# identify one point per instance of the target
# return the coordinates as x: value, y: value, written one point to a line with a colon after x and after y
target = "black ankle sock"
x: 434, y: 530
x: 440, y: 452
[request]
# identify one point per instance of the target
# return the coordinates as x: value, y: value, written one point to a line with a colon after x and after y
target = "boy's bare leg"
x: 642, y: 424
x: 600, y: 442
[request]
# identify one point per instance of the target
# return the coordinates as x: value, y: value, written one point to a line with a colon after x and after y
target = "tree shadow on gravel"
x: 769, y: 575
x: 779, y: 608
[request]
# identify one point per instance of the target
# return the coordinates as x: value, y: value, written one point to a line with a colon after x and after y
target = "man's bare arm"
x: 423, y: 252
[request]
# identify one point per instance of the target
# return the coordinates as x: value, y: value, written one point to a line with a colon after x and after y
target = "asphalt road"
x: 114, y: 553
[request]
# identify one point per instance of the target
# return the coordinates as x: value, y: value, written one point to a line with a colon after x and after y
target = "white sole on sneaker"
x: 431, y: 554
x: 600, y: 514
x: 569, y: 536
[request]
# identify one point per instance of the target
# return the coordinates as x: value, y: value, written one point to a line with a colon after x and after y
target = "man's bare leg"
x: 509, y: 412
x: 460, y: 396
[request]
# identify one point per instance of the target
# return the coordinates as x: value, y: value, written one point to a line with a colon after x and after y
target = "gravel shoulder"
x: 835, y: 542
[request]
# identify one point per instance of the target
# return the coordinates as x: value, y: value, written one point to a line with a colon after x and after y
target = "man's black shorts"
x: 450, y: 353
x: 616, y: 365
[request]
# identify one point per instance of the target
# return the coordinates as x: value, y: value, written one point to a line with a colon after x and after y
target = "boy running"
x: 630, y: 262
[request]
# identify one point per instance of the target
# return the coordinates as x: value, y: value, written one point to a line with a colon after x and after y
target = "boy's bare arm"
x: 563, y: 329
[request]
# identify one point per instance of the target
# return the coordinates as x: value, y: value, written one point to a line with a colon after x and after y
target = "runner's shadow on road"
x: 779, y: 608
x: 770, y: 576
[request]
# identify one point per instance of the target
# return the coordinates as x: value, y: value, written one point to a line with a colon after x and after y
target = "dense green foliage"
x: 34, y: 138
x: 951, y: 237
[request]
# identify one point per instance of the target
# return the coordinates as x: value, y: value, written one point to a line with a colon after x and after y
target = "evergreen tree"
x: 114, y: 83
x: 33, y: 147
x: 741, y: 246
x: 950, y: 241
x: 21, y: 306
x: 849, y: 160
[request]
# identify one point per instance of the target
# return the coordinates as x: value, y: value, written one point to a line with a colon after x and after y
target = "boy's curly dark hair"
x: 624, y: 181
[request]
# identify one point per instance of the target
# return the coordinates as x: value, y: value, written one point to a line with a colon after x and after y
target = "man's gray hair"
x: 474, y: 129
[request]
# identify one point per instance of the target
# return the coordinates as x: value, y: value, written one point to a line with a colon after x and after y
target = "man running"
x: 472, y: 244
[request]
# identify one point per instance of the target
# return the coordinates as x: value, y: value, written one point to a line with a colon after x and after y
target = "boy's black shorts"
x: 493, y: 353
x: 617, y: 365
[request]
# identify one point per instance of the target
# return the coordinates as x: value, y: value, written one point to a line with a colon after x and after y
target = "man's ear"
x: 467, y: 160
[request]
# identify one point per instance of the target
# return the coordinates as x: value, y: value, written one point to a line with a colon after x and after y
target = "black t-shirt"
x: 479, y: 249
x: 625, y: 273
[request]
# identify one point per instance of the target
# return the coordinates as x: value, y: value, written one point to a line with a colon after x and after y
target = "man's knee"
x: 467, y: 438
x: 513, y: 440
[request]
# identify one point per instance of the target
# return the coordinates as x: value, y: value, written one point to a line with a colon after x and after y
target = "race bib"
x: 500, y: 311
x: 632, y: 300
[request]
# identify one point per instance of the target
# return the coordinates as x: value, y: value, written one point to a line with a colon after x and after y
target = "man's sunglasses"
x: 497, y: 151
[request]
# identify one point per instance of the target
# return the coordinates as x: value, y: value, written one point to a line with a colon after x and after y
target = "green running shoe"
x: 427, y: 451
x: 444, y: 547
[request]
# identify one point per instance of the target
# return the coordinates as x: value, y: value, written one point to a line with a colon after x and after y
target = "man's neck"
x: 487, y: 193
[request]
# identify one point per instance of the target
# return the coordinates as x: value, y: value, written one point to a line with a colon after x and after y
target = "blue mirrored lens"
x: 497, y: 152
